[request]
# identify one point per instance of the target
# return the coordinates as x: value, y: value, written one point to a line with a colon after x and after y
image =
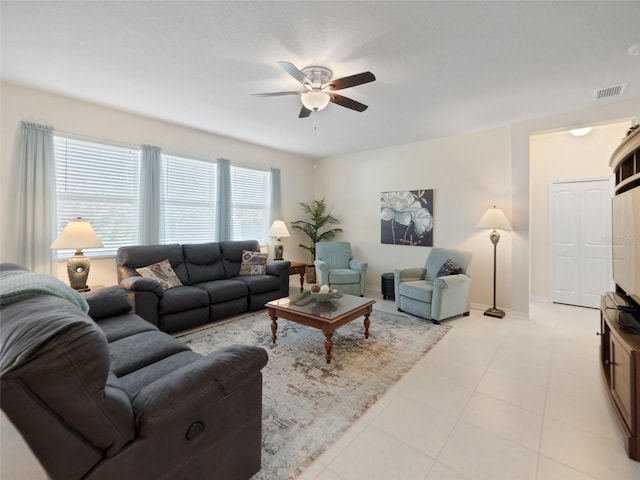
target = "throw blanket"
x: 18, y: 285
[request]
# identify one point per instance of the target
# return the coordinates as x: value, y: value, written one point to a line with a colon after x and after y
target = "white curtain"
x: 224, y: 200
x: 276, y: 196
x: 150, y: 207
x: 34, y: 185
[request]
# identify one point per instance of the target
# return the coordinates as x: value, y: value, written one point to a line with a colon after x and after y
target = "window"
x: 188, y: 197
x: 250, y: 205
x: 100, y: 184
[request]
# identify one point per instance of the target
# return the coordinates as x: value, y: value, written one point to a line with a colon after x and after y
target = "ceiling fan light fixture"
x: 315, y: 100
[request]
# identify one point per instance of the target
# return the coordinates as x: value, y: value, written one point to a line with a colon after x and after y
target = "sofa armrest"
x: 451, y: 296
x: 406, y: 275
x: 409, y: 274
x: 186, y: 391
x: 321, y: 265
x: 450, y: 280
x: 358, y: 265
x: 107, y: 302
x: 278, y: 267
x: 322, y: 272
x: 142, y: 284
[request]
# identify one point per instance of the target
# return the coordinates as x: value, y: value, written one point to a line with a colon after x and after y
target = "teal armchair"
x: 336, y: 267
x: 421, y: 292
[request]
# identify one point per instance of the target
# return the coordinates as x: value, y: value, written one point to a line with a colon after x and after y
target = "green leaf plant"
x: 319, y: 220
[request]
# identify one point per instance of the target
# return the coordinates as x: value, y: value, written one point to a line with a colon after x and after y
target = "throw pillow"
x: 253, y: 263
x: 449, y: 268
x: 163, y: 273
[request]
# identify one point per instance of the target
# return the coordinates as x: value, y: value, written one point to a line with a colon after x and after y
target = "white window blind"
x: 250, y: 204
x: 100, y: 184
x: 188, y: 197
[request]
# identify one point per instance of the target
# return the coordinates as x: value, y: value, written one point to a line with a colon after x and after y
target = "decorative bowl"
x: 323, y: 297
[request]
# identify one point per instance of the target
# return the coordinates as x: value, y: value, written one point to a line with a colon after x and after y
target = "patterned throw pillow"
x: 161, y: 272
x: 449, y: 268
x: 253, y: 263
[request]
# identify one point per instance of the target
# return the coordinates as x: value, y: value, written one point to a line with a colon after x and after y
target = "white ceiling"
x: 442, y: 68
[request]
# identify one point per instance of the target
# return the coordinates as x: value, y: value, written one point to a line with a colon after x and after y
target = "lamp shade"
x: 78, y: 234
x: 315, y: 100
x: 278, y: 229
x: 494, y: 218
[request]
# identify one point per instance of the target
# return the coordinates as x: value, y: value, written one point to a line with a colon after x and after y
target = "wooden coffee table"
x: 327, y: 316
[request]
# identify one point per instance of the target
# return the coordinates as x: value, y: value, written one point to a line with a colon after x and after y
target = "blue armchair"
x: 336, y: 267
x: 421, y: 292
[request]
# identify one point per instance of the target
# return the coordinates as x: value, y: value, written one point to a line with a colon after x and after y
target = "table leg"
x: 274, y: 327
x: 327, y: 345
x: 367, y: 322
x: 301, y: 282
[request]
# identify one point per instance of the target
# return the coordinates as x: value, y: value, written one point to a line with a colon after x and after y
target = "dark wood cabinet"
x: 625, y: 162
x: 620, y: 363
x: 620, y: 346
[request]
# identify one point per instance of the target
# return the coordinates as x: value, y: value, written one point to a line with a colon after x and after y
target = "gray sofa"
x: 212, y: 287
x: 106, y: 395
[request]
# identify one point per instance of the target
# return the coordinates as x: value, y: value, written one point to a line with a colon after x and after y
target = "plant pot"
x: 310, y: 274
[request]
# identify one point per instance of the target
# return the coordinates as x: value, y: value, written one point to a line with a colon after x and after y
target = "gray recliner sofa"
x: 106, y: 395
x: 212, y: 289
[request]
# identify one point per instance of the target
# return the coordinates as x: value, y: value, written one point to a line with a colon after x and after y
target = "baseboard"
x: 519, y: 315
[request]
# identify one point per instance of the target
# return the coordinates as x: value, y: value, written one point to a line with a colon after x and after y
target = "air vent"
x: 607, y: 92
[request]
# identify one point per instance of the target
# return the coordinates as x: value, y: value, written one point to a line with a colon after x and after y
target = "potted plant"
x: 317, y: 228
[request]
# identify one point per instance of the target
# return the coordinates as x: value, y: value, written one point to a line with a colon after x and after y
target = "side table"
x: 388, y: 287
x: 298, y: 268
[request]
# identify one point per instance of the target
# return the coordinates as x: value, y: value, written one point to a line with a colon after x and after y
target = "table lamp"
x: 78, y: 234
x: 278, y: 230
x: 495, y: 219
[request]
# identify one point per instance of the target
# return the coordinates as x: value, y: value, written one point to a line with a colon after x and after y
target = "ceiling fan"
x: 320, y: 88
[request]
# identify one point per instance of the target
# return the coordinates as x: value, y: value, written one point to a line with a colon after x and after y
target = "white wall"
x: 483, y: 168
x: 561, y: 156
x: 468, y: 173
x: 68, y: 115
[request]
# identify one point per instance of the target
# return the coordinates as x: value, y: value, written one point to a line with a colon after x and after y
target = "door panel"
x: 580, y: 228
x: 595, y: 228
x: 565, y: 246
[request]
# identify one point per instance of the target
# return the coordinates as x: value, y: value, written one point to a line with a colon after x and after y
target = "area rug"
x: 308, y: 404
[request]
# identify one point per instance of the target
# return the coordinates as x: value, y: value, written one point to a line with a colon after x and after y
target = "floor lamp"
x: 494, y: 219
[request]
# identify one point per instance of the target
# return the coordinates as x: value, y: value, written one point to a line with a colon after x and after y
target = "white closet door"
x: 580, y: 227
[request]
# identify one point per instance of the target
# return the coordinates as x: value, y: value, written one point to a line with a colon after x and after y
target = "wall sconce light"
x: 78, y: 234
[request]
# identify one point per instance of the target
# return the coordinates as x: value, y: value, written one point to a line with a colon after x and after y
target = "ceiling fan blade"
x: 347, y: 102
x: 276, y: 94
x: 351, y: 81
x: 295, y: 72
x: 304, y: 113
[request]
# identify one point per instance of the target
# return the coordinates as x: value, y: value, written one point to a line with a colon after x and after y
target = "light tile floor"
x: 495, y: 399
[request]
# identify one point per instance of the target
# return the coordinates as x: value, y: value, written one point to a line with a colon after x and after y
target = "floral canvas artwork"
x: 406, y: 217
